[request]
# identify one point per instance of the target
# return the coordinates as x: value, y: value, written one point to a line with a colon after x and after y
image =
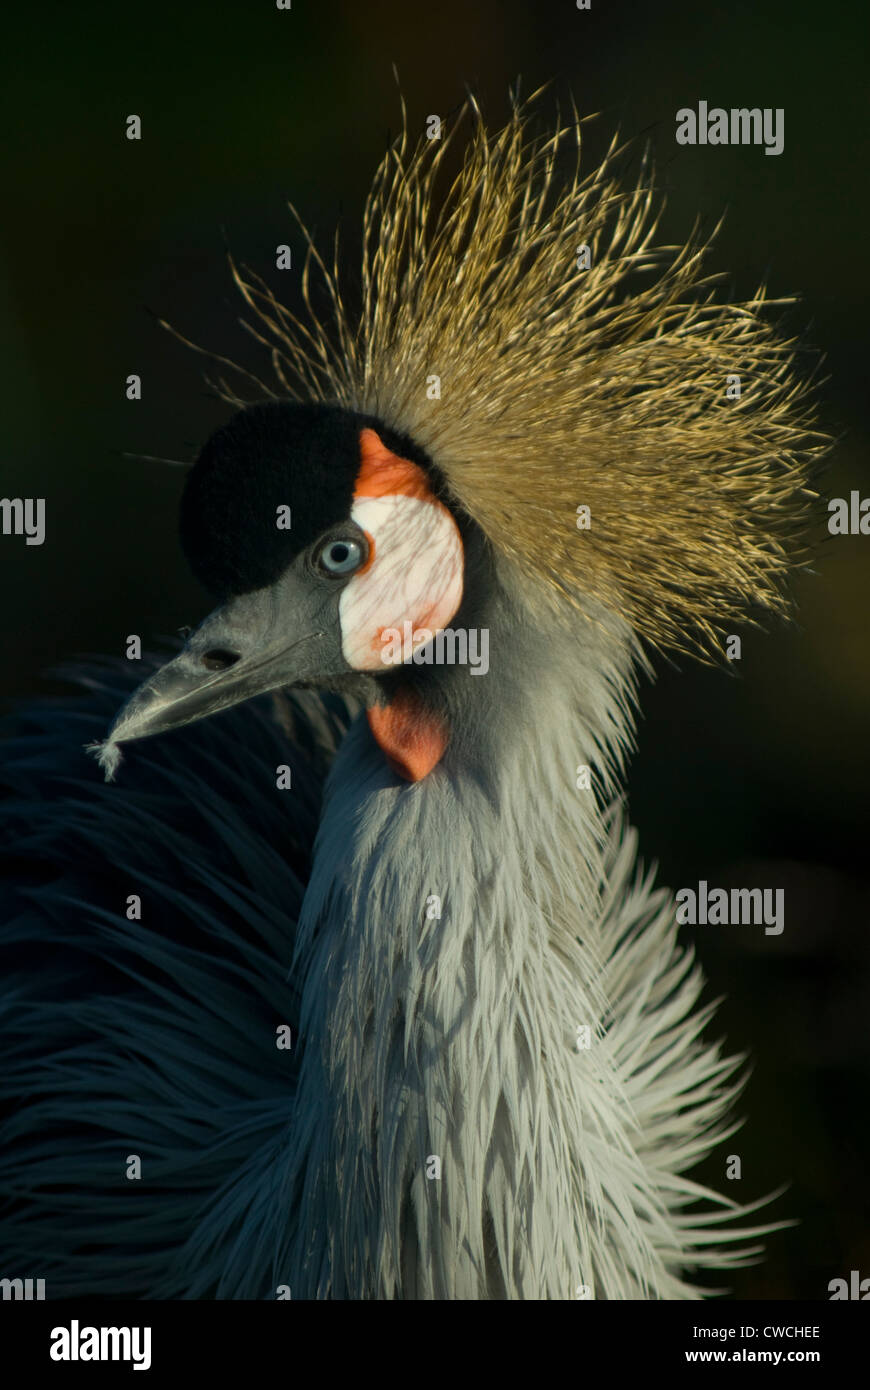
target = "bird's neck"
x: 443, y: 963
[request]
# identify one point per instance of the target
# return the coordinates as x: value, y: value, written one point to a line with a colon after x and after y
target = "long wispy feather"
x: 457, y: 1038
x: 563, y: 386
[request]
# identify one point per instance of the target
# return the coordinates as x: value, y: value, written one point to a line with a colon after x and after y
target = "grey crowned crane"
x: 402, y: 1017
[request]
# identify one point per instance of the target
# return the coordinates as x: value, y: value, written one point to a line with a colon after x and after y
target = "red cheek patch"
x: 383, y: 474
x: 411, y: 738
x: 414, y: 575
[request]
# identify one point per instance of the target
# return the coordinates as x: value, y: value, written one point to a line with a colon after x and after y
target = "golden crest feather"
x: 564, y: 387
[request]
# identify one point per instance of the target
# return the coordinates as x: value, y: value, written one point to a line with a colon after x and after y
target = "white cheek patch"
x: 415, y: 578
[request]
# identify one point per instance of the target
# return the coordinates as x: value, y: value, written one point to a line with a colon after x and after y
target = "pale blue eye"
x: 341, y: 557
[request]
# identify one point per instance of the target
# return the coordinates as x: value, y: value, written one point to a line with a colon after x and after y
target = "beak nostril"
x: 219, y: 659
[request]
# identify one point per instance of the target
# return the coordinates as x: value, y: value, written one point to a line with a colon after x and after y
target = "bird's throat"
x: 411, y: 736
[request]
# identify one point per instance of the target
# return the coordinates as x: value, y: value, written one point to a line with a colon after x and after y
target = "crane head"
x: 610, y: 436
x: 322, y: 533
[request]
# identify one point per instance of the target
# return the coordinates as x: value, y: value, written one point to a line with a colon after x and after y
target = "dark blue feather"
x: 158, y: 1037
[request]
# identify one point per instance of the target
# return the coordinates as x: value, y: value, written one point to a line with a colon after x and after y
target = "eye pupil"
x: 341, y: 557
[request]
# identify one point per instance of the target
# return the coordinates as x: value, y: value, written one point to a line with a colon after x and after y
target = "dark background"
x: 756, y: 781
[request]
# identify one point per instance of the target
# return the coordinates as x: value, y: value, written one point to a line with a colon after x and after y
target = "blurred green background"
x: 759, y: 780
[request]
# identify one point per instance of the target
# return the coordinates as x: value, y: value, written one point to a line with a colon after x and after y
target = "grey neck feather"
x: 448, y: 950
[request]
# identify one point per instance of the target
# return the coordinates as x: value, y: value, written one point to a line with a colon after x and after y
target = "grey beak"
x: 258, y: 642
